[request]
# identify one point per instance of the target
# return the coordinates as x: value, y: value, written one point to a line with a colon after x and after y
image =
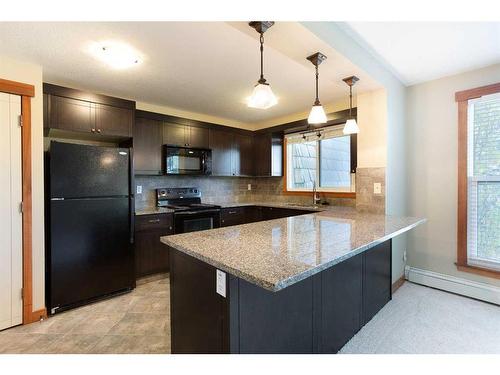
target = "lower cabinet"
x: 252, y: 214
x: 319, y: 314
x: 151, y: 256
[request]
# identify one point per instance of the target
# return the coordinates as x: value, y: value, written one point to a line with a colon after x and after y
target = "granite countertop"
x: 274, y: 254
x: 160, y: 210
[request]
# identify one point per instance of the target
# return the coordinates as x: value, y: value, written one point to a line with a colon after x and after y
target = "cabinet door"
x: 114, y: 121
x: 174, y: 134
x: 376, y: 279
x: 147, y: 146
x: 221, y: 144
x: 70, y: 114
x: 263, y: 155
x: 243, y: 155
x: 198, y: 137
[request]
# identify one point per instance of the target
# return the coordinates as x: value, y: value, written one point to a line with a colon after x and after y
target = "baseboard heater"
x: 468, y: 288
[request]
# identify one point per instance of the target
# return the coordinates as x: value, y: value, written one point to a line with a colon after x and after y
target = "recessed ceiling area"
x: 202, y: 67
x: 422, y: 51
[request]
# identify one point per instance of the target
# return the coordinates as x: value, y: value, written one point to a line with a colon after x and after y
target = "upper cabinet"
x: 147, y: 146
x: 77, y: 111
x: 232, y: 153
x: 184, y: 135
x: 269, y: 154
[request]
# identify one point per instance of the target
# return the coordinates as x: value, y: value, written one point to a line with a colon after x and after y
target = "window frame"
x: 327, y: 192
x: 462, y: 98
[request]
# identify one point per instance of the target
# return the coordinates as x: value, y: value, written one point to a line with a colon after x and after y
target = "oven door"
x: 182, y: 160
x: 192, y: 221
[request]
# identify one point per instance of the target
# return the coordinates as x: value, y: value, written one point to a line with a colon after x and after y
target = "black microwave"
x: 185, y: 160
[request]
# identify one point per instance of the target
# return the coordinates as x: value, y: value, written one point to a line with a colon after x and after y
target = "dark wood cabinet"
x: 268, y: 154
x: 232, y: 153
x: 151, y: 256
x: 251, y: 214
x: 243, y: 155
x: 270, y: 213
x: 221, y: 142
x: 198, y: 137
x: 147, y: 136
x: 82, y: 112
x: 377, y: 279
x: 113, y: 121
x: 174, y: 134
x: 70, y: 114
x: 184, y: 135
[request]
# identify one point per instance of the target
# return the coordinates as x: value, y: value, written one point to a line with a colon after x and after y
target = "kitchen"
x: 177, y: 220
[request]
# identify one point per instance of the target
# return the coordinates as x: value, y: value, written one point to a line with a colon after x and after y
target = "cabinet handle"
x: 232, y: 212
x: 154, y: 220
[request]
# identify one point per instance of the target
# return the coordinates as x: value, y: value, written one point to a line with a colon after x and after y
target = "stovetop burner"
x: 182, y: 199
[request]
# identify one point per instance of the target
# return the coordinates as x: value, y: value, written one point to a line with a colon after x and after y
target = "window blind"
x: 483, y: 179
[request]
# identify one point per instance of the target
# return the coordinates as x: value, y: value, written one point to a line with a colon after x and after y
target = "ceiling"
x: 421, y: 51
x: 202, y: 67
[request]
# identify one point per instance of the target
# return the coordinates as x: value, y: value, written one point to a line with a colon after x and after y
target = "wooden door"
x: 113, y: 121
x: 221, y: 144
x: 70, y: 114
x: 147, y: 146
x: 11, y: 256
x: 174, y: 134
x: 198, y: 137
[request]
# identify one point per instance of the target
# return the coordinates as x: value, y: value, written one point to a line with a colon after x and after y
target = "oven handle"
x: 187, y: 213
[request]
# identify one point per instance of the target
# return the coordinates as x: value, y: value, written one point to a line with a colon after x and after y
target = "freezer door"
x: 82, y: 171
x: 90, y: 253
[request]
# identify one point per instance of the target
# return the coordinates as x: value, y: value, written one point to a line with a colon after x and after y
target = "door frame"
x: 26, y: 92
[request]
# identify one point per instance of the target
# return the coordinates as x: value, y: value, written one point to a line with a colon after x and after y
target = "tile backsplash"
x: 226, y: 189
x: 366, y: 199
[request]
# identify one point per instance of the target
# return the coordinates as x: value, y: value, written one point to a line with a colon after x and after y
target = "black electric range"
x: 190, y: 214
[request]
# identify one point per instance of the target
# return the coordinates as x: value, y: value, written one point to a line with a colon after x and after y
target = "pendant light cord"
x: 262, y: 80
x: 316, y: 102
x: 350, y: 101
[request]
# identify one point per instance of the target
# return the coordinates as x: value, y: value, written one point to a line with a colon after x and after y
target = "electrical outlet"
x: 377, y: 188
x: 139, y: 189
x: 249, y: 186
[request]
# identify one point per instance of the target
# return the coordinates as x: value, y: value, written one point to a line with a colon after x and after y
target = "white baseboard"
x: 481, y: 291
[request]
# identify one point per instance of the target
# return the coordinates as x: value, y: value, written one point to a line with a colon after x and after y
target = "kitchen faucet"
x: 316, y: 198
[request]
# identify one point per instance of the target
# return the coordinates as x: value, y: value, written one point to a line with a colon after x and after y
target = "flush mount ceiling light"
x: 317, y: 114
x: 351, y: 127
x: 262, y: 95
x: 118, y: 55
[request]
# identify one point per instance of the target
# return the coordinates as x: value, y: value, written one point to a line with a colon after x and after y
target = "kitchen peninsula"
x: 301, y: 284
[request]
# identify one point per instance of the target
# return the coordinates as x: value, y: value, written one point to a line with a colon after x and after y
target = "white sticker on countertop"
x: 220, y: 281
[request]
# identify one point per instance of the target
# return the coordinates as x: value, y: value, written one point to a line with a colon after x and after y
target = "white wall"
x: 32, y: 74
x: 372, y: 122
x: 432, y: 120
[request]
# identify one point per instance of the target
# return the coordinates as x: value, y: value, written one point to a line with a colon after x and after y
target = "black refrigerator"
x: 90, y: 252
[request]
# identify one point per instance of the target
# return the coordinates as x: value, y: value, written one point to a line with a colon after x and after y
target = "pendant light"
x: 262, y: 95
x: 317, y: 114
x: 351, y: 127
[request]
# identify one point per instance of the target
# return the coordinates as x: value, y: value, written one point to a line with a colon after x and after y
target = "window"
x: 479, y: 179
x: 323, y: 161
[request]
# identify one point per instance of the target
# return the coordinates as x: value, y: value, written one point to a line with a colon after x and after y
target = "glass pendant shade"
x: 317, y: 115
x: 351, y: 127
x: 262, y: 97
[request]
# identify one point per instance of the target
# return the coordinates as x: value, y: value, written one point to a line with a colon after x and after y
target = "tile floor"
x: 417, y: 320
x: 137, y: 322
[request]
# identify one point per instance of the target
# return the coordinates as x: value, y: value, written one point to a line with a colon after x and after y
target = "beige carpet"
x: 429, y: 321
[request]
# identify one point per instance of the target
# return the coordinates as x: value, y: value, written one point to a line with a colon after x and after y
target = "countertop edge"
x: 296, y: 278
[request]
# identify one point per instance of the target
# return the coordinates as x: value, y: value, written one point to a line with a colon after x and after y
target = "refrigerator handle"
x: 132, y: 218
